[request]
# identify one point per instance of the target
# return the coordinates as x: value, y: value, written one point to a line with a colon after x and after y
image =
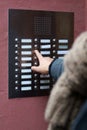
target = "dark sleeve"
x: 56, y: 68
x: 80, y: 123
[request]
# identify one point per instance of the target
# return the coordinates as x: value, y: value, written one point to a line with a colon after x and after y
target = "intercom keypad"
x: 29, y: 30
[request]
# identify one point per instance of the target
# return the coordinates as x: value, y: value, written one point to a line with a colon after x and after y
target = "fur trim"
x: 67, y: 94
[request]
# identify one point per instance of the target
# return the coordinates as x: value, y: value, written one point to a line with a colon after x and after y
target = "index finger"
x: 39, y: 56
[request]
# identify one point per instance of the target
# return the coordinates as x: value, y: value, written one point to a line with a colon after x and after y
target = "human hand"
x: 44, y: 63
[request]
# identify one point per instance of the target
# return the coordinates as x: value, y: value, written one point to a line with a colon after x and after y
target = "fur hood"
x: 70, y: 91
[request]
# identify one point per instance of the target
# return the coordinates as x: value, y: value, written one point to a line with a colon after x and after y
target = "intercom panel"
x: 51, y: 33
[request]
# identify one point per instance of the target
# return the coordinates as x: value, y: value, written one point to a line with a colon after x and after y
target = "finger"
x: 35, y: 68
x: 39, y: 56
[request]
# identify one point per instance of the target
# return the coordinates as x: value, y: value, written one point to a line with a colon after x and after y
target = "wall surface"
x: 86, y: 14
x: 28, y: 113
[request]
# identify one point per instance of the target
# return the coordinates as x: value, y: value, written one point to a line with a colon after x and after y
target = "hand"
x: 44, y: 63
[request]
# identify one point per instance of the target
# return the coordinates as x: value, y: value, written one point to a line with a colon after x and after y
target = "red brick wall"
x: 28, y: 113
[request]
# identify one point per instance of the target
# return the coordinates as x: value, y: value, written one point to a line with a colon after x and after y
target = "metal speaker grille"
x: 42, y: 25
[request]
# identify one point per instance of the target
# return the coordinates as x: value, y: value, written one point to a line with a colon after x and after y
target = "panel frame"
x: 18, y: 35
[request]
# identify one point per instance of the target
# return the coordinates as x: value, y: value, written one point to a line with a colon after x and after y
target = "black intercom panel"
x: 49, y: 32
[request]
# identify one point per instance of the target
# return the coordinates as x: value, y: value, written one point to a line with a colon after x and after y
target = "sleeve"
x: 56, y: 68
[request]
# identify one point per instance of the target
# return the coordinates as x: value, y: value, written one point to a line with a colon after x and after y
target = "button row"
x: 29, y: 40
